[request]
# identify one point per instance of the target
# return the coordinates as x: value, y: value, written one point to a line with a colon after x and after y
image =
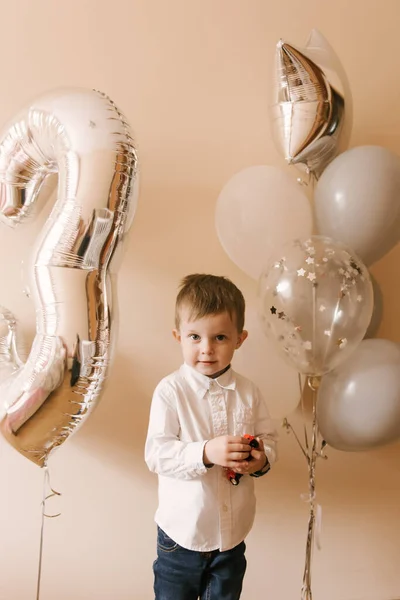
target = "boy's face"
x: 208, y: 344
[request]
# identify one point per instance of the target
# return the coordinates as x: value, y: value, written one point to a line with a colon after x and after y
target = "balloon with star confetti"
x: 316, y: 302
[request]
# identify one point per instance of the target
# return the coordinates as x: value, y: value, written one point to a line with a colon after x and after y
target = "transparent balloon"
x: 311, y: 112
x: 316, y: 302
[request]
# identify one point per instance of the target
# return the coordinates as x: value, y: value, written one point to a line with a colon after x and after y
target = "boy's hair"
x: 210, y: 295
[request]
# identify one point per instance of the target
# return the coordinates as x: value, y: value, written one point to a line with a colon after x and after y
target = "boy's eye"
x: 221, y: 337
x: 194, y: 336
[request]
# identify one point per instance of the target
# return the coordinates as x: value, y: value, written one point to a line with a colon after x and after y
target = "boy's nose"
x: 207, y: 347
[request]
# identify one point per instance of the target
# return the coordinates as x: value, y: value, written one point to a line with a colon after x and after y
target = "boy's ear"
x: 241, y: 338
x: 176, y: 334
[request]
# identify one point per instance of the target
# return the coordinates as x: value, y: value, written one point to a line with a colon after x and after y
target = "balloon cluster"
x: 356, y: 203
x: 316, y: 294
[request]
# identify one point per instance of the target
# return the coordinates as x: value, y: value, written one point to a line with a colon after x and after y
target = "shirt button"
x: 224, y: 507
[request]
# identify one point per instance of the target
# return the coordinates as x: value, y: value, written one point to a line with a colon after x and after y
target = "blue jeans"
x: 181, y: 574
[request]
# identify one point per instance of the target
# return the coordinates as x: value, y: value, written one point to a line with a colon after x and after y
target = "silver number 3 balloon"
x: 83, y: 137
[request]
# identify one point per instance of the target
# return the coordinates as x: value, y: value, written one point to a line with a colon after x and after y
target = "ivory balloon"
x: 358, y: 405
x: 258, y: 209
x: 357, y: 201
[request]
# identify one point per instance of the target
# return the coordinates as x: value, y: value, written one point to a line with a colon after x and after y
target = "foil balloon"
x: 9, y: 342
x: 81, y: 136
x: 316, y: 303
x: 311, y: 108
x: 11, y: 352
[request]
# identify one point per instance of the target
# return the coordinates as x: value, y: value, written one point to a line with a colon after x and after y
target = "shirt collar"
x: 201, y: 383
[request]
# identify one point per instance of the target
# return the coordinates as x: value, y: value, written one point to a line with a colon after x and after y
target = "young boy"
x: 198, y: 418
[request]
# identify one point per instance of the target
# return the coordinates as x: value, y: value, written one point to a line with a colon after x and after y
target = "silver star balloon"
x: 311, y: 109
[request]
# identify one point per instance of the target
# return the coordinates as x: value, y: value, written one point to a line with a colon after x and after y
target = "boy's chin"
x: 210, y: 369
x: 207, y: 367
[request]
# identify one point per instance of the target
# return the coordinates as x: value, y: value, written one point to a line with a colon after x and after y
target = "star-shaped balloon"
x: 311, y: 109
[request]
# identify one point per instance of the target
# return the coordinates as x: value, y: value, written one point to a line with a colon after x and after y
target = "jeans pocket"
x: 164, y: 542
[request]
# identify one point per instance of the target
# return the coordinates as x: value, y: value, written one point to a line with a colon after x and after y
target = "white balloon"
x: 358, y: 403
x: 258, y: 209
x: 357, y: 201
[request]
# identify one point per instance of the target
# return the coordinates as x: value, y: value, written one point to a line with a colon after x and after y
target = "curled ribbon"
x: 311, y: 450
x: 310, y: 497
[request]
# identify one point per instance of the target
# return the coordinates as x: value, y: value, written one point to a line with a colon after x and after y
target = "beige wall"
x: 193, y: 78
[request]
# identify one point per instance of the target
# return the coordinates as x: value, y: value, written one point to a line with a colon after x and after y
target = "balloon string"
x: 314, y: 318
x: 45, y: 496
x: 289, y: 427
x: 306, y: 591
x: 310, y: 180
x: 303, y: 410
x: 312, y: 452
x: 332, y: 328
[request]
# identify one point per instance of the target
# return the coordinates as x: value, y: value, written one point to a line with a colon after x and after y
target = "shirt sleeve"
x: 165, y: 453
x: 265, y: 429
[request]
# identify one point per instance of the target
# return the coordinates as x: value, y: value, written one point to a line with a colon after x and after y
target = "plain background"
x: 194, y: 79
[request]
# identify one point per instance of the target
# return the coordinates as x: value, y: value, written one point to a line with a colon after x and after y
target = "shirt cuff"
x: 264, y: 470
x: 195, y: 452
x: 271, y: 455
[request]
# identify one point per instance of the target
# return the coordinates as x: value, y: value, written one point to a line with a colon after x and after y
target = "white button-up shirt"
x: 198, y: 507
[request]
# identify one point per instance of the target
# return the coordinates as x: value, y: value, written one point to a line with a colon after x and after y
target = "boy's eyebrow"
x: 218, y: 332
x: 215, y: 333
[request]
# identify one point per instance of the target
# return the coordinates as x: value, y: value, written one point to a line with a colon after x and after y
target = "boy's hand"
x: 258, y: 458
x: 256, y: 463
x: 227, y: 451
